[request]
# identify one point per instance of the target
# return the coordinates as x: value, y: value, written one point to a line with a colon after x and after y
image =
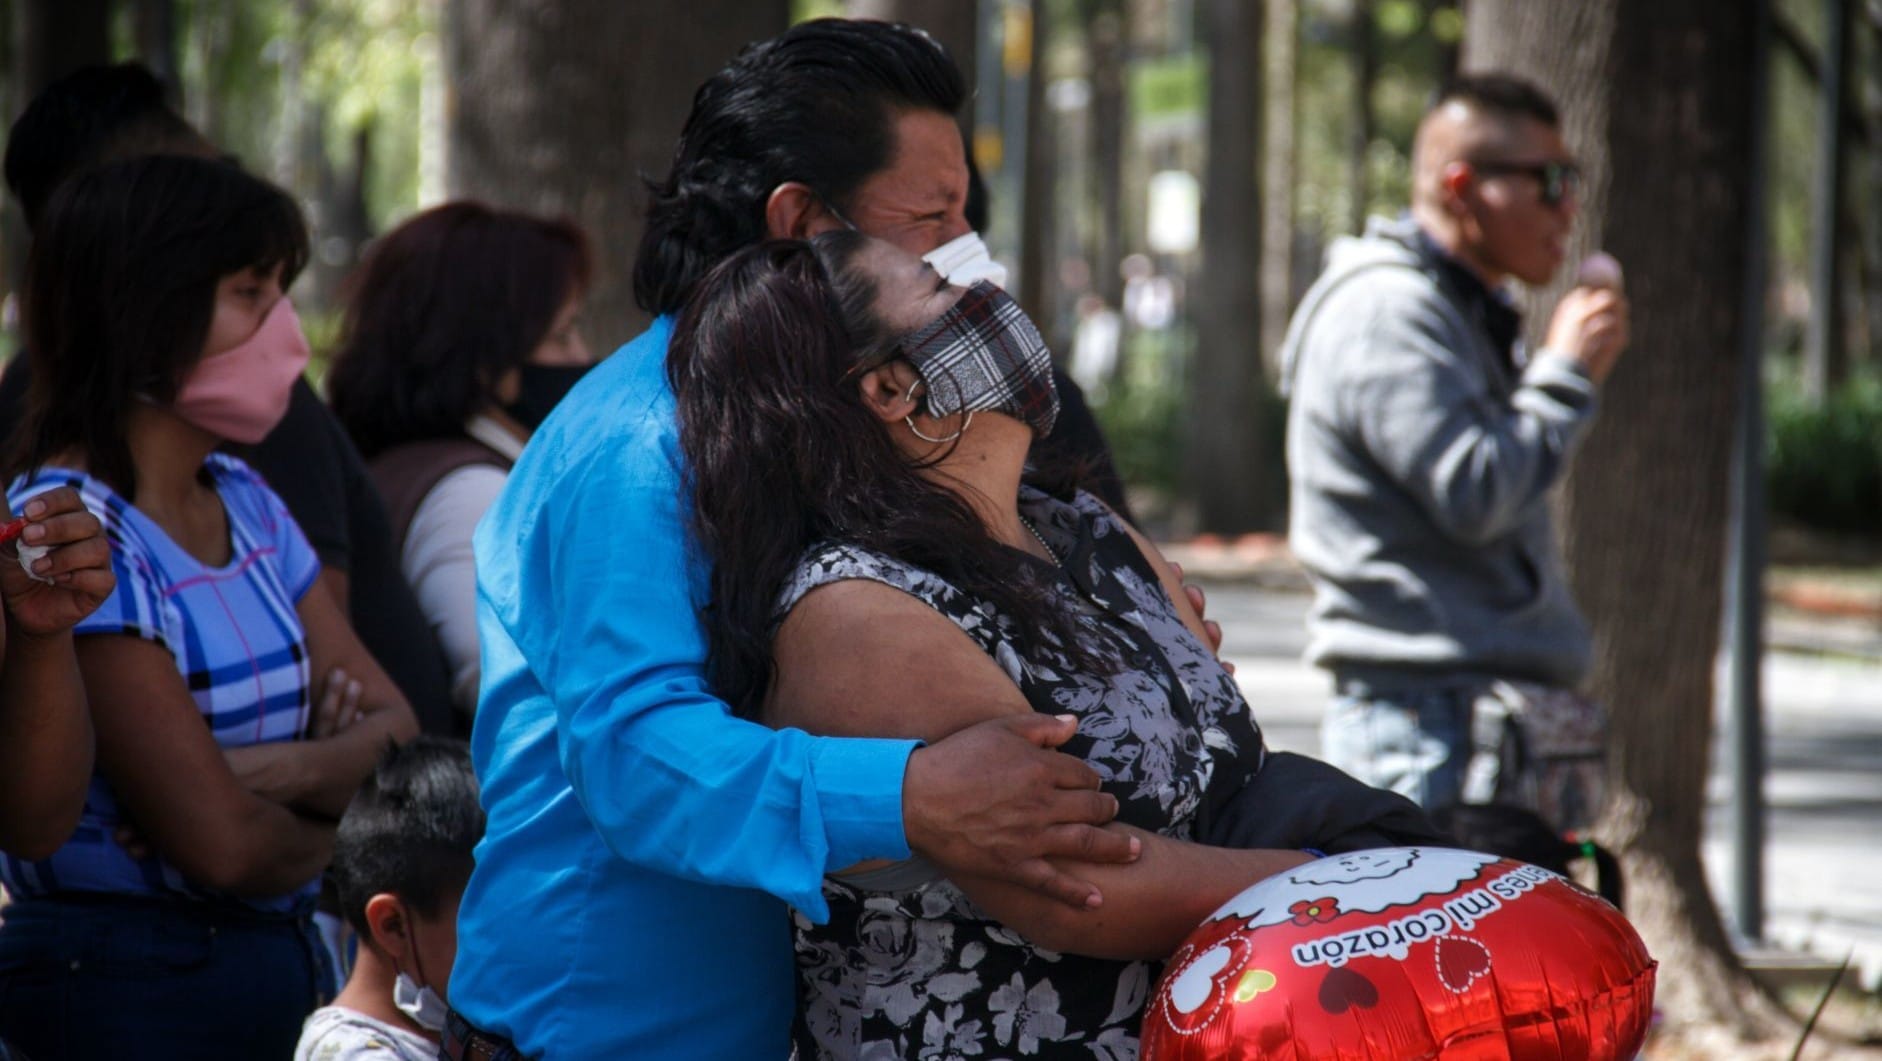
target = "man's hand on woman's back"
x: 993, y: 800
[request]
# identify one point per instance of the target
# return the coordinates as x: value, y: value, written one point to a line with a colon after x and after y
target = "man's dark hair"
x: 815, y: 104
x: 1504, y: 95
x: 121, y: 290
x: 410, y: 831
x: 95, y: 115
x: 443, y: 308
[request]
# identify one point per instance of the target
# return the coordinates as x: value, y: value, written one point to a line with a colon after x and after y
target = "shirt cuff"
x: 1550, y: 367
x: 859, y: 784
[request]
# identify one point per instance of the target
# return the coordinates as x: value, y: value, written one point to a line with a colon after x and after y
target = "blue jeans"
x: 1415, y: 743
x: 112, y: 977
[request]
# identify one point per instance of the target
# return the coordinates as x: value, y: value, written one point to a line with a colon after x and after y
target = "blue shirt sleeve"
x: 585, y: 564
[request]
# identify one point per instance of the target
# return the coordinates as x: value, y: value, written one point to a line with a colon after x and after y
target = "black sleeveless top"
x: 908, y: 966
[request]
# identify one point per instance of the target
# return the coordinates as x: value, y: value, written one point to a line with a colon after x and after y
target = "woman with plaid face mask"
x: 886, y: 564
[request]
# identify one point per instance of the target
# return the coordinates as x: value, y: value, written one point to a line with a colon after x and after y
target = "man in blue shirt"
x: 628, y: 896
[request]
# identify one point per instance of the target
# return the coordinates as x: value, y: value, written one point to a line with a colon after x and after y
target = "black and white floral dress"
x: 908, y: 966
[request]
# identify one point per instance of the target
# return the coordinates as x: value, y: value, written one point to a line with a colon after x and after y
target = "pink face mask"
x: 241, y: 394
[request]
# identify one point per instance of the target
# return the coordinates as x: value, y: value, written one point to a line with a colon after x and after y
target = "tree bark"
x: 50, y: 39
x: 211, y: 29
x: 1365, y: 43
x: 1106, y: 30
x: 1037, y: 282
x: 1278, y: 166
x: 1870, y: 217
x: 154, y: 25
x: 1229, y: 474
x: 55, y: 37
x: 1646, y: 503
x: 1447, y: 51
x: 564, y: 106
x: 1824, y: 363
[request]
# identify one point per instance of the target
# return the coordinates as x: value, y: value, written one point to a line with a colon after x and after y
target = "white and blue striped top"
x: 237, y: 639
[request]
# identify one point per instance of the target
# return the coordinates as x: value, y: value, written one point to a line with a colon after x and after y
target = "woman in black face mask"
x: 885, y: 564
x: 462, y: 333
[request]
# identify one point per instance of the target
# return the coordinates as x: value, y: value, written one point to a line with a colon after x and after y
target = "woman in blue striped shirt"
x: 159, y: 330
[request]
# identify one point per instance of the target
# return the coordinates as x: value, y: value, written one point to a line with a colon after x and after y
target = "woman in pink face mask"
x: 235, y: 711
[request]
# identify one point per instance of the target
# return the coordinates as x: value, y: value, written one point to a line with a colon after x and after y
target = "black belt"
x: 464, y: 1041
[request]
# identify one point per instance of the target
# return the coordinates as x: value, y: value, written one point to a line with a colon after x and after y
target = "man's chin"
x: 1540, y: 274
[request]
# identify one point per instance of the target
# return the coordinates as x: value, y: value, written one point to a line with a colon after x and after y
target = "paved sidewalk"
x: 1823, y: 859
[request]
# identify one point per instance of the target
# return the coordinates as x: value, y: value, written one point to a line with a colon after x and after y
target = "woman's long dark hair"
x: 444, y: 306
x: 120, y: 291
x: 784, y: 454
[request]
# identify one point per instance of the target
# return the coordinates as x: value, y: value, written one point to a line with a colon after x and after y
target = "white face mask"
x: 422, y: 1004
x: 964, y: 260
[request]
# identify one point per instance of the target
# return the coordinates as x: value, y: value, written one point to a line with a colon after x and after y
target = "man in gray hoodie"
x: 1422, y: 442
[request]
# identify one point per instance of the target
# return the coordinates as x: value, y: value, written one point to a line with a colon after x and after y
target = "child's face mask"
x: 422, y: 1004
x: 425, y: 1006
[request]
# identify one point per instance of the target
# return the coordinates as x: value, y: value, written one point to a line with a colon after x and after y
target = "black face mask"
x: 540, y: 388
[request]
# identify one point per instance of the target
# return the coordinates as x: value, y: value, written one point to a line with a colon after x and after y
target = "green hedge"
x: 1824, y: 466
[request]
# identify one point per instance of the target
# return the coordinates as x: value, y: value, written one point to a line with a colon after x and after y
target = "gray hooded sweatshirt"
x: 1421, y: 465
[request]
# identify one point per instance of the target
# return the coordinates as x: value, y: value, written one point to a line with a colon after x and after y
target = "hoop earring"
x: 910, y: 421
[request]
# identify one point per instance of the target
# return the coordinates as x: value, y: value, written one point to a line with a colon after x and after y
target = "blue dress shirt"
x: 629, y: 894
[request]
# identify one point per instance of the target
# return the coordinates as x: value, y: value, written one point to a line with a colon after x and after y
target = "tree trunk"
x: 290, y: 154
x: 1824, y: 364
x: 1447, y: 50
x: 1036, y: 272
x: 1646, y: 503
x: 1278, y: 166
x: 564, y: 106
x: 211, y: 29
x: 50, y: 39
x: 154, y: 25
x: 1106, y: 30
x: 1365, y: 41
x: 1870, y: 217
x: 1228, y: 472
x: 54, y: 38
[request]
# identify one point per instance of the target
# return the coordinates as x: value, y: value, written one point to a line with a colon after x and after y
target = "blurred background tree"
x: 604, y: 88
x: 1093, y: 127
x: 1647, y: 498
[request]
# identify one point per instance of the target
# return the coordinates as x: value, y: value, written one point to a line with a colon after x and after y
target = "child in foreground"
x: 400, y: 862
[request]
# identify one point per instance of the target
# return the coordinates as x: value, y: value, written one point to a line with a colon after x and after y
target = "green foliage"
x: 1824, y: 465
x: 804, y: 10
x: 362, y: 66
x: 366, y: 67
x: 1167, y: 86
x: 1144, y: 414
x: 1141, y: 413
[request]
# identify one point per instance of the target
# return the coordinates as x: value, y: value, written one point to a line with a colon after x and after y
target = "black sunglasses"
x: 1559, y: 180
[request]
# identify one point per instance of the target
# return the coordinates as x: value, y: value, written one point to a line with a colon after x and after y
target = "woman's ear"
x: 793, y: 211
x: 387, y: 921
x: 890, y: 390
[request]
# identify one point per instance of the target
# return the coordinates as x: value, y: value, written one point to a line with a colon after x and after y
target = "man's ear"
x: 1455, y: 179
x: 890, y: 390
x: 793, y: 211
x: 387, y: 921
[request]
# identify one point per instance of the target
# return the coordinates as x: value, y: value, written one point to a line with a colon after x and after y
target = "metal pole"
x: 1744, y: 707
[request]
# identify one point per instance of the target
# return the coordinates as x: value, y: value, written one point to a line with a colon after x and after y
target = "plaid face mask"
x: 984, y: 353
